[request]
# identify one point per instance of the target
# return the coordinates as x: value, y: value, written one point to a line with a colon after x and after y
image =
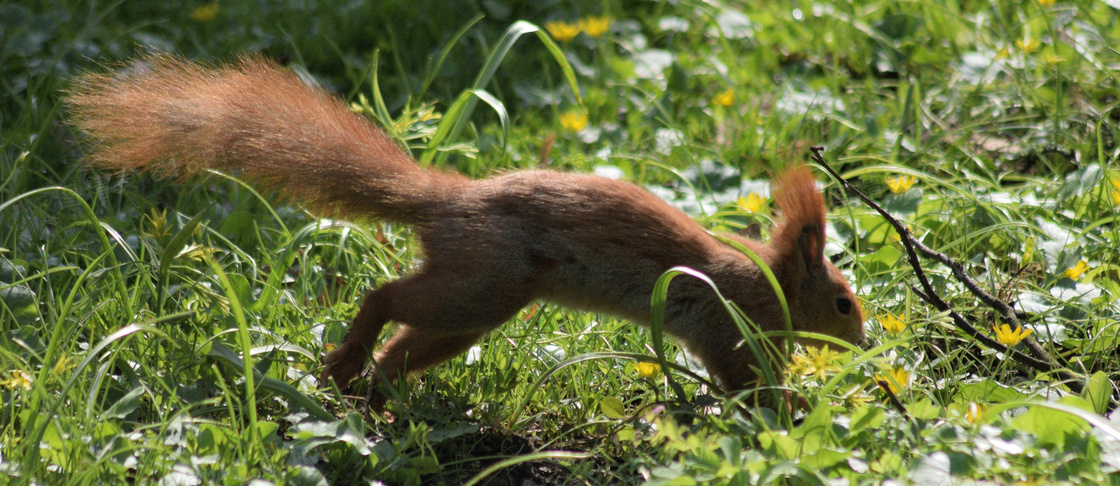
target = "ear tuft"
x: 801, y: 229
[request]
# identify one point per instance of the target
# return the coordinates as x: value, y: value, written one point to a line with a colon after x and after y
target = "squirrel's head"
x: 819, y: 297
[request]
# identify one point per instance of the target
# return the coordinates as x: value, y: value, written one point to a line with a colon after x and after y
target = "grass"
x: 161, y: 331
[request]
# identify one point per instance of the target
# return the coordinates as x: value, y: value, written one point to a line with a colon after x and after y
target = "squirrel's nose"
x: 858, y: 338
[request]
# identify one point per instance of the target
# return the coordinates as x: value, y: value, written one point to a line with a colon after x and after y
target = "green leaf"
x: 824, y: 458
x: 424, y: 464
x: 238, y: 227
x: 19, y: 301
x: 626, y: 434
x: 173, y: 249
x: 883, y: 260
x: 458, y: 111
x: 1080, y: 181
x: 780, y: 443
x: 1098, y: 391
x: 267, y: 432
x: 988, y: 391
x: 1050, y: 425
x: 869, y: 417
x: 815, y: 431
x: 240, y: 285
x: 211, y: 440
x: 179, y: 241
x: 535, y: 456
x: 612, y: 407
x: 94, y: 353
x: 126, y: 405
x: 434, y: 69
x: 887, y: 463
x: 924, y: 409
x: 899, y: 26
x: 939, y: 468
x: 444, y: 432
x: 10, y: 272
x: 219, y: 350
x: 1067, y: 259
x: 903, y: 204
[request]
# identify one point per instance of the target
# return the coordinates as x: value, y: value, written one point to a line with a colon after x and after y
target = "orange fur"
x: 491, y: 246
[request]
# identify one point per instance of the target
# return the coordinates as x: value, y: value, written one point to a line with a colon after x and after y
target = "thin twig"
x: 1023, y: 367
x: 886, y: 387
x: 1041, y: 361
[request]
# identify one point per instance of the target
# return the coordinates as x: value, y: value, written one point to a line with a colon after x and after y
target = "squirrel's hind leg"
x: 411, y: 350
x: 442, y: 311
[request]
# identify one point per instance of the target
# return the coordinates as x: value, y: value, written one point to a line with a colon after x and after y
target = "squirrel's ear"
x: 810, y: 244
x: 801, y: 231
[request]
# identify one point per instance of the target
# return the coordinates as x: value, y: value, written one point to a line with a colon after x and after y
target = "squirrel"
x: 491, y: 246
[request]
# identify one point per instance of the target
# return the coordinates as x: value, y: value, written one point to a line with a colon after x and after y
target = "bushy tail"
x: 258, y: 121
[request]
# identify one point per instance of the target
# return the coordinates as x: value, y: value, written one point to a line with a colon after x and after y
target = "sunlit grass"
x: 128, y: 304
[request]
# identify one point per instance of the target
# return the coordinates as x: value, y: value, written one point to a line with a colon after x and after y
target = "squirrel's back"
x: 257, y: 120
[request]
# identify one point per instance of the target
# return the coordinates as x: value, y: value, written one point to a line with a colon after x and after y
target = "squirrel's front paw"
x: 342, y: 364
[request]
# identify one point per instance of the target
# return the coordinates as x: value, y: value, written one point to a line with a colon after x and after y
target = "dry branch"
x: 1040, y: 361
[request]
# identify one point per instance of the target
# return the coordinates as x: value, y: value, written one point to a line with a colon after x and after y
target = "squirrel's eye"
x: 844, y: 305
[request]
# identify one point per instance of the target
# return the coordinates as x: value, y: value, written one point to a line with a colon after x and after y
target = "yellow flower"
x: 822, y: 358
x: 1114, y: 181
x: 753, y: 203
x: 157, y: 224
x: 562, y: 31
x: 1075, y: 272
x: 1052, y: 60
x: 1003, y: 53
x: 724, y: 98
x: 975, y: 413
x: 593, y: 26
x: 817, y: 362
x: 198, y: 253
x: 1046, y: 3
x: 798, y: 366
x: 20, y: 379
x: 1007, y: 337
x: 898, y: 237
x: 647, y: 370
x: 1028, y: 45
x: 895, y: 380
x: 901, y: 183
x: 206, y: 12
x: 573, y: 121
x: 855, y: 396
x: 61, y: 366
x: 892, y: 324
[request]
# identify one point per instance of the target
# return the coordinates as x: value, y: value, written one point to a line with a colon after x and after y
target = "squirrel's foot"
x: 342, y: 365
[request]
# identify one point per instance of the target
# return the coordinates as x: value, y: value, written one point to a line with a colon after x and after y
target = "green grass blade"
x: 281, y: 388
x: 565, y: 66
x: 33, y: 440
x: 375, y: 91
x: 433, y: 70
x: 539, y: 382
x: 458, y: 117
x: 246, y: 343
x: 171, y: 251
x: 536, y: 456
x: 769, y: 278
x: 751, y: 332
x: 92, y: 219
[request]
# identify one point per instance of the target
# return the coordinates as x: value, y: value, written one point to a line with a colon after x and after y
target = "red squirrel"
x: 491, y: 246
